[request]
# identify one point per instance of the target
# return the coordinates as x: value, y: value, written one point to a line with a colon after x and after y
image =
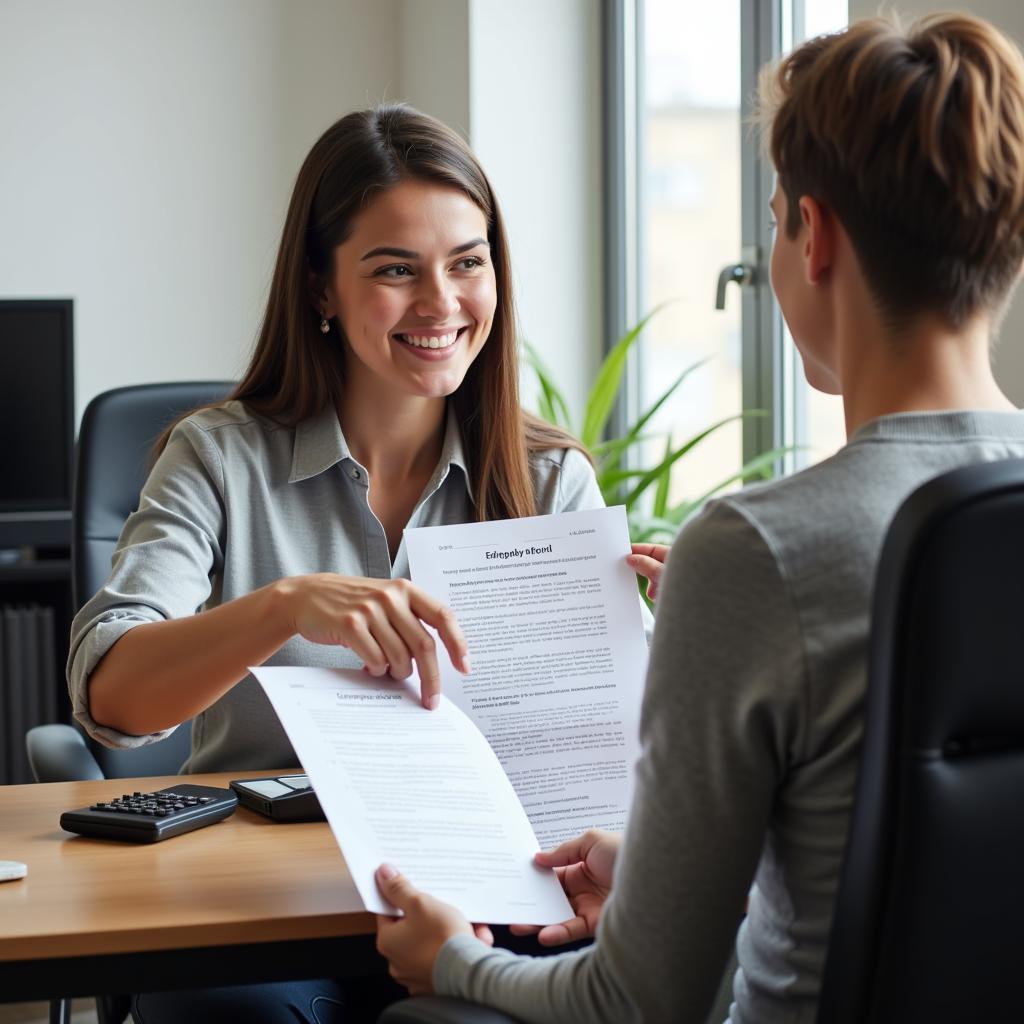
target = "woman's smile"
x: 431, y: 343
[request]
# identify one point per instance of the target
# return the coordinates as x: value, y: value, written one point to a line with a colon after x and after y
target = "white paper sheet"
x: 417, y: 789
x: 558, y: 655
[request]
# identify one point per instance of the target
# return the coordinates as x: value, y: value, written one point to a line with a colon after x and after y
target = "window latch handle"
x: 735, y: 273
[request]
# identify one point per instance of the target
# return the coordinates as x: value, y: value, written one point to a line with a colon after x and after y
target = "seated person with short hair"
x: 900, y: 207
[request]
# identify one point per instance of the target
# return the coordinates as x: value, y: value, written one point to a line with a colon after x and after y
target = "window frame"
x: 769, y: 367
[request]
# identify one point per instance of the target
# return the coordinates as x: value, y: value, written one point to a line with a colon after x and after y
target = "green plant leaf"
x: 651, y: 530
x: 661, y: 490
x: 606, y: 385
x: 761, y: 465
x: 553, y: 406
x: 662, y: 523
x: 634, y: 431
x: 652, y: 475
x: 611, y: 478
x: 608, y: 454
x: 617, y: 445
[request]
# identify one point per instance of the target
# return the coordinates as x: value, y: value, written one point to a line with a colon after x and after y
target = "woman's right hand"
x: 381, y: 621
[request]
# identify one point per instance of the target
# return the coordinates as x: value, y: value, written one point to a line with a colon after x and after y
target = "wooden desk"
x: 93, y: 917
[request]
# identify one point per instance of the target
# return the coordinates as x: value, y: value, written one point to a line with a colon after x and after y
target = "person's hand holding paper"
x: 411, y: 942
x: 585, y: 866
x: 539, y: 740
x: 648, y: 560
x: 419, y: 789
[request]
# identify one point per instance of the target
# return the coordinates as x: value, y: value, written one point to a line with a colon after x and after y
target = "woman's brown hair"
x: 296, y: 371
x: 915, y: 140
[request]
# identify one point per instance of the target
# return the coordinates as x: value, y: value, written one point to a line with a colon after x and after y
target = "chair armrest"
x: 57, y: 753
x: 441, y: 1010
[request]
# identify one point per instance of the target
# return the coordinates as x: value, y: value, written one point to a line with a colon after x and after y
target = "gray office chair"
x: 112, y: 461
x: 929, y: 909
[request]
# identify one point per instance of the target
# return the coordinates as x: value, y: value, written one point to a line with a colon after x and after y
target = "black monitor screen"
x: 36, y: 404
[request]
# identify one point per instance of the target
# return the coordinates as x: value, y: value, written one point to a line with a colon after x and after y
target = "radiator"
x: 28, y: 683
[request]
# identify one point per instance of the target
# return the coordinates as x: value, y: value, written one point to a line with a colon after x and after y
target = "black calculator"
x: 149, y: 817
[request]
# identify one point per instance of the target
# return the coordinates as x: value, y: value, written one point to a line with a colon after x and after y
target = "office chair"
x: 441, y: 1010
x: 930, y: 904
x: 112, y: 461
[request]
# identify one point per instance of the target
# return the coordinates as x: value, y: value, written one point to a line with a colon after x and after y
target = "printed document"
x: 558, y: 655
x: 534, y: 746
x: 417, y: 789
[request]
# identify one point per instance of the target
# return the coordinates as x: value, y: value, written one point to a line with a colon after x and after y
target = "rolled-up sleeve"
x: 169, y: 551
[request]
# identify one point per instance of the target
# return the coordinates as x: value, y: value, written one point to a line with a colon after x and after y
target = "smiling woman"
x: 382, y: 394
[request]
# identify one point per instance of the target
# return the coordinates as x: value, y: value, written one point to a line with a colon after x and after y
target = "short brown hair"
x: 915, y: 140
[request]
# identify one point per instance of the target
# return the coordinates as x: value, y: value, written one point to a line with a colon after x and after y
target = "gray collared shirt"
x: 234, y: 503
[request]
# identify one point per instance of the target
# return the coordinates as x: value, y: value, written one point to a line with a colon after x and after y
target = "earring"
x: 325, y: 327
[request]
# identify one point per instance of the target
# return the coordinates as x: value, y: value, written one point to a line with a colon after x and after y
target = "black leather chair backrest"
x: 113, y: 458
x: 930, y: 908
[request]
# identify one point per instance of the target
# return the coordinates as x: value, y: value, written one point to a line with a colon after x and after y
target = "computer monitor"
x: 37, y: 404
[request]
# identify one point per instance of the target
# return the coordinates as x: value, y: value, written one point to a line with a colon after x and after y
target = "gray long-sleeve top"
x: 234, y: 503
x: 751, y: 731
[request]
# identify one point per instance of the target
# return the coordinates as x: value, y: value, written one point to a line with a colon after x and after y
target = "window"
x: 688, y: 199
x: 690, y: 227
x: 814, y: 425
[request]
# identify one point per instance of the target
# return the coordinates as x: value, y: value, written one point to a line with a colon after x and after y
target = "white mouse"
x: 12, y: 869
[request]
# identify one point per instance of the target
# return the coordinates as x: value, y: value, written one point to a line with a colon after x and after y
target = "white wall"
x: 146, y: 157
x: 148, y: 151
x: 535, y: 122
x: 1008, y: 15
x: 522, y: 82
x: 434, y: 59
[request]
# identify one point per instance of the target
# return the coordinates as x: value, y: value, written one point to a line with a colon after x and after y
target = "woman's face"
x: 413, y: 289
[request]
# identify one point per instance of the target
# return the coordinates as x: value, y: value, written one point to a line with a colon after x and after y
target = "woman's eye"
x: 469, y: 263
x: 393, y: 271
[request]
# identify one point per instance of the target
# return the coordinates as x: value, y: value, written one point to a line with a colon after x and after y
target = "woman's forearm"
x: 162, y: 673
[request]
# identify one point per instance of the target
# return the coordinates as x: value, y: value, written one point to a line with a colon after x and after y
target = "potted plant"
x: 644, y: 490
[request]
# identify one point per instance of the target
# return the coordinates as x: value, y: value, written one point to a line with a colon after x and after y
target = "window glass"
x: 819, y: 429
x: 690, y: 228
x: 690, y: 205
